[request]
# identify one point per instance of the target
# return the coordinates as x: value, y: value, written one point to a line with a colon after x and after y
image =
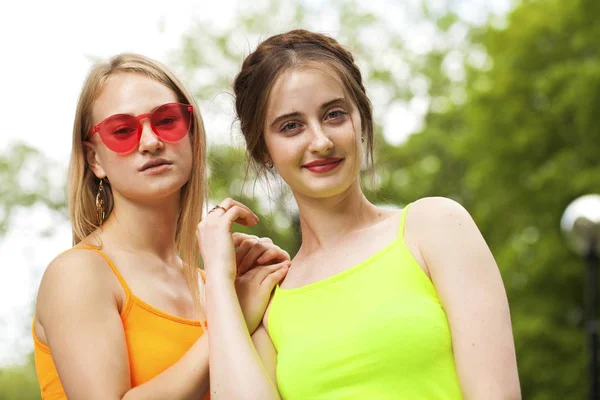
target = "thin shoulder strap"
x: 403, y: 221
x: 110, y: 264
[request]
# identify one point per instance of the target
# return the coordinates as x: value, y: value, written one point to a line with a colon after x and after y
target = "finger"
x: 242, y: 253
x: 273, y: 254
x: 220, y: 210
x: 240, y: 215
x: 274, y: 278
x: 249, y: 260
x: 249, y: 276
x: 239, y: 237
x: 266, y: 240
x: 229, y: 203
x: 263, y: 272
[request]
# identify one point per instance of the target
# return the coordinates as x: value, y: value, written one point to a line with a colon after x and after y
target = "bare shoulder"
x: 77, y: 317
x: 469, y: 286
x: 440, y: 226
x: 74, y: 267
x: 437, y: 211
x: 428, y: 222
x: 79, y: 276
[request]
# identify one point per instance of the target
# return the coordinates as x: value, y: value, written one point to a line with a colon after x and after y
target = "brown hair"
x: 274, y: 56
x: 83, y: 185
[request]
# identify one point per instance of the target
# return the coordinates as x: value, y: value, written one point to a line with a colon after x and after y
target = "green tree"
x: 539, y: 115
x: 27, y: 179
x: 521, y: 145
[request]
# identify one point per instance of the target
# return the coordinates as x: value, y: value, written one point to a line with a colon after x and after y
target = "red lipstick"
x: 323, y: 165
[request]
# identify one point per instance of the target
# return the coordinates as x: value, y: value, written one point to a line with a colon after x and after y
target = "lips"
x: 155, y: 163
x: 323, y: 165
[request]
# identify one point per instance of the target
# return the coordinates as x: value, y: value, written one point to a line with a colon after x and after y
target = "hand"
x: 215, y: 239
x: 254, y: 289
x: 252, y: 251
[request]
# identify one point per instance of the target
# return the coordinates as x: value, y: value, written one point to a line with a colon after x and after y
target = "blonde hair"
x: 83, y: 184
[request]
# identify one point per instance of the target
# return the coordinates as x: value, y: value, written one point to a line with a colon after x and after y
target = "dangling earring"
x: 100, y: 203
x: 362, y: 139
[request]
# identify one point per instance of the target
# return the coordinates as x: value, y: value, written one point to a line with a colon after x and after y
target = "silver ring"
x: 217, y: 207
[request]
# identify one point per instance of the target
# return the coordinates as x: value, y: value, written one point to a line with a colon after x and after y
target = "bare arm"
x: 266, y: 351
x: 78, y: 310
x: 236, y: 370
x: 471, y: 291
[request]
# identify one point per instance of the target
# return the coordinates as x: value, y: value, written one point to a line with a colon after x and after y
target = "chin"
x: 325, y: 190
x: 158, y: 190
x: 164, y: 189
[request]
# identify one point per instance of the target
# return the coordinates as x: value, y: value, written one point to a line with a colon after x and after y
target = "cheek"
x: 357, y: 122
x: 188, y: 149
x: 114, y: 163
x: 185, y: 153
x: 119, y: 170
x: 284, y: 151
x: 272, y: 147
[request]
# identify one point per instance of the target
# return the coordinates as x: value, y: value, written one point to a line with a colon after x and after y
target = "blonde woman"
x: 120, y: 315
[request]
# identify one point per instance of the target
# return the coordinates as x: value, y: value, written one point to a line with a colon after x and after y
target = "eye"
x: 166, y: 121
x: 289, y: 126
x: 335, y: 114
x: 123, y: 130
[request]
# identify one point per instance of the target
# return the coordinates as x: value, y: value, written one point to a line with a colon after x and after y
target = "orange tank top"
x: 145, y: 328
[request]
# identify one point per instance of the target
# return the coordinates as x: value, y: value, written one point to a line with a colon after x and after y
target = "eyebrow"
x: 297, y: 113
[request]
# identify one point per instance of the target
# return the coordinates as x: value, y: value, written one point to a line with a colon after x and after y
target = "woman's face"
x: 129, y: 174
x: 313, y: 133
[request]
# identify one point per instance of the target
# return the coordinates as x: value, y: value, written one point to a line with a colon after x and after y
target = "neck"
x: 145, y: 228
x: 324, y: 221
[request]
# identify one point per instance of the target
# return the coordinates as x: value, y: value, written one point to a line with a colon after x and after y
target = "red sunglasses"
x: 122, y: 132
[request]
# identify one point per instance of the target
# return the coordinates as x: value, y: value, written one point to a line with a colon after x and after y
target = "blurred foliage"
x: 19, y: 383
x: 26, y: 179
x: 521, y: 144
x: 510, y: 130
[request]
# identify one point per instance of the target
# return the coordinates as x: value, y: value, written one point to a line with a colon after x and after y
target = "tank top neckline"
x: 131, y: 298
x: 398, y: 239
x: 340, y: 275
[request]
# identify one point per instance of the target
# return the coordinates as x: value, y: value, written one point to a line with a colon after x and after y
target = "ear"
x: 268, y: 160
x: 93, y: 160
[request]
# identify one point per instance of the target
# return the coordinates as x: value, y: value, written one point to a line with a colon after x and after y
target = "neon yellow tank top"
x: 374, y: 331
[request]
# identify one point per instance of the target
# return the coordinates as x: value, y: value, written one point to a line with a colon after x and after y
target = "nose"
x: 149, y: 141
x: 319, y: 141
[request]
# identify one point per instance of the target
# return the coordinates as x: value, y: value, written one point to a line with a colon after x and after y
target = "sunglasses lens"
x: 171, y: 121
x: 120, y: 133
